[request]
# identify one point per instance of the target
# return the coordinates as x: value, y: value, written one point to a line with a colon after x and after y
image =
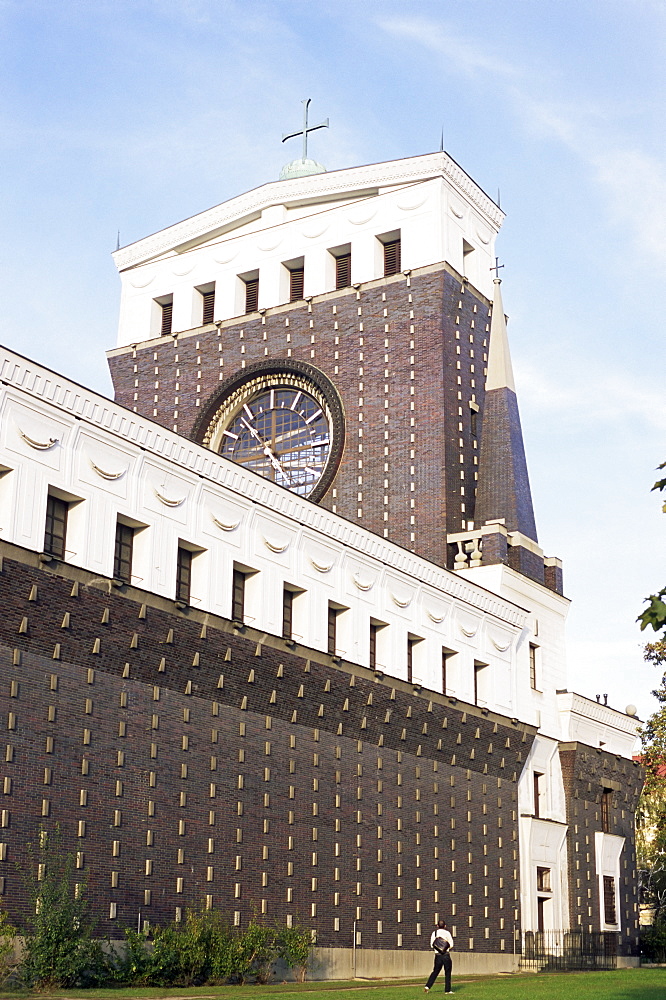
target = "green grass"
x: 625, y: 984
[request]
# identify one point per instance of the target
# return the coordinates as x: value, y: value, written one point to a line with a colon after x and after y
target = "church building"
x: 279, y: 637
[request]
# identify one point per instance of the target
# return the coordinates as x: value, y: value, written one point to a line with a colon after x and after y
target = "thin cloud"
x: 467, y: 57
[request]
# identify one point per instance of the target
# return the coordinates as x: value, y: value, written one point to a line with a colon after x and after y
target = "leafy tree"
x: 651, y: 815
x: 60, y: 950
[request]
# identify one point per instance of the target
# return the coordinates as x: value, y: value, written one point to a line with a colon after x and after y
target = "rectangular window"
x: 410, y: 659
x: 332, y: 630
x: 251, y: 295
x: 343, y: 270
x: 183, y: 574
x: 543, y: 880
x: 296, y: 278
x: 606, y: 803
x: 480, y: 694
x: 374, y: 629
x: 537, y: 794
x: 238, y: 596
x: 446, y: 656
x: 56, y: 526
x: 610, y: 914
x: 287, y: 613
x: 122, y: 556
x: 208, y: 306
x: 533, y: 672
x: 391, y: 257
x: 167, y: 316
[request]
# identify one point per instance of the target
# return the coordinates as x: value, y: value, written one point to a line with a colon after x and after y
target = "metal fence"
x: 565, y: 951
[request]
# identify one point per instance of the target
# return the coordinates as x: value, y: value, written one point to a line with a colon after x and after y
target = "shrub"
x: 293, y: 946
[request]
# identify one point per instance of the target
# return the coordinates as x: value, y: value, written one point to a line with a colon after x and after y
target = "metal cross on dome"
x: 306, y: 128
x: 496, y: 267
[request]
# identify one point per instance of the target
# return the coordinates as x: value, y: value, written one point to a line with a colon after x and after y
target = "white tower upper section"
x: 428, y: 202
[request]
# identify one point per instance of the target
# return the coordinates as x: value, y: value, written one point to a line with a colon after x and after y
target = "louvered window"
x: 56, y: 527
x: 238, y: 596
x: 343, y: 271
x: 122, y: 557
x: 251, y: 295
x: 208, y: 306
x: 373, y: 645
x: 332, y: 630
x: 391, y: 257
x: 606, y: 803
x: 410, y: 659
x: 183, y: 574
x: 610, y: 914
x: 296, y: 276
x: 287, y: 613
x: 167, y: 313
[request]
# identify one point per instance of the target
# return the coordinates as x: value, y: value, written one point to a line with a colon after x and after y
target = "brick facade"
x: 406, y: 354
x: 169, y: 745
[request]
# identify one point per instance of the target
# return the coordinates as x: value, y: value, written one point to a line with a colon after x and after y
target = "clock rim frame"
x: 214, y: 406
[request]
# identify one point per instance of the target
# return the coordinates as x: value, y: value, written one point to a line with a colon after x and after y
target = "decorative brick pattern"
x: 190, y: 762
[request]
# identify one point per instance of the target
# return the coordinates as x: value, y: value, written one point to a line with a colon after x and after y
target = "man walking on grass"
x: 441, y: 943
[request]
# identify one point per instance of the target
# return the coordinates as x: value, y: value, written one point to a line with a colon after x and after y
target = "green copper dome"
x: 301, y: 168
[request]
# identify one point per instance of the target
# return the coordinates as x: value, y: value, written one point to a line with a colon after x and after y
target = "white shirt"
x: 440, y: 932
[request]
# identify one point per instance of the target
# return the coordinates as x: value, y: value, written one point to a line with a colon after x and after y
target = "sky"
x: 130, y: 115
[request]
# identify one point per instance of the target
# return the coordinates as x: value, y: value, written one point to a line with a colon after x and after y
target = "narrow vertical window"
x: 56, y: 526
x: 332, y: 630
x: 373, y: 645
x: 122, y: 556
x: 167, y: 316
x: 610, y: 913
x: 537, y: 794
x: 251, y: 295
x: 606, y: 803
x: 238, y: 596
x: 296, y: 279
x: 533, y: 672
x: 208, y: 306
x: 445, y: 656
x: 410, y: 659
x: 343, y: 270
x: 391, y: 257
x: 287, y: 613
x: 474, y: 422
x: 479, y: 685
x: 183, y: 574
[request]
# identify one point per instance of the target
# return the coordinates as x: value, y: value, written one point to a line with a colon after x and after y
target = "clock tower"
x: 333, y: 332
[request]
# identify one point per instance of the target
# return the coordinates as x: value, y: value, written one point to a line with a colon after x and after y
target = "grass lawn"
x: 625, y: 984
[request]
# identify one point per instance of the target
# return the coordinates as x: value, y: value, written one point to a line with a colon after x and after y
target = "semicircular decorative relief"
x: 456, y: 209
x: 274, y: 545
x: 183, y: 268
x: 142, y: 279
x: 314, y: 231
x: 266, y: 245
x: 167, y: 501
x: 34, y: 443
x: 321, y: 567
x: 224, y: 525
x: 362, y: 584
x: 499, y: 646
x: 434, y: 617
x: 362, y: 216
x: 225, y: 257
x: 401, y: 602
x: 469, y: 632
x: 104, y: 474
x: 410, y: 204
x: 483, y: 234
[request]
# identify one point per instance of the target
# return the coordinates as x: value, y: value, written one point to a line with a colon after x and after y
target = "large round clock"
x: 282, y: 420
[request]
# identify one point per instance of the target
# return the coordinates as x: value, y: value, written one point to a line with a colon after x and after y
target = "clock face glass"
x: 282, y: 433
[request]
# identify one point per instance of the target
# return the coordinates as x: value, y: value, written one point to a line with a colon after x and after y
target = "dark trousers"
x: 441, y: 961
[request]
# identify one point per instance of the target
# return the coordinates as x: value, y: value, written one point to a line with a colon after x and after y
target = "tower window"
x: 56, y: 526
x: 296, y: 278
x: 392, y: 257
x: 167, y: 316
x: 410, y: 660
x: 610, y: 913
x: 122, y: 556
x: 606, y: 803
x: 208, y: 307
x: 373, y: 645
x: 537, y: 778
x: 480, y: 675
x: 533, y: 672
x: 332, y: 630
x: 238, y: 596
x: 251, y: 295
x: 183, y: 574
x: 446, y: 656
x: 343, y: 270
x: 287, y: 613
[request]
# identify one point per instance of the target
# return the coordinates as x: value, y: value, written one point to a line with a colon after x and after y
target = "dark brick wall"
x: 270, y: 766
x: 416, y: 451
x: 586, y: 773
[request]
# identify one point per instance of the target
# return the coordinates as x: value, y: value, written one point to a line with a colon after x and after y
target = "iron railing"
x: 565, y: 951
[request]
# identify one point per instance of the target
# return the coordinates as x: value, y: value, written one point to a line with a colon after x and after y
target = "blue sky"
x: 133, y: 114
